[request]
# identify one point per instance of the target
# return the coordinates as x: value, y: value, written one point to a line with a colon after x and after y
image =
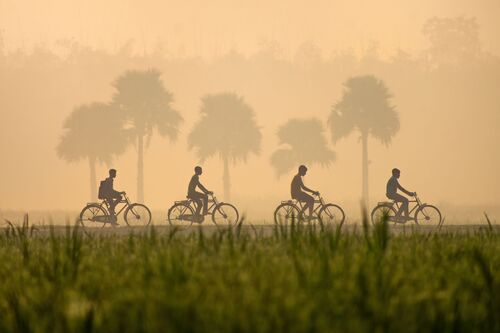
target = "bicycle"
x: 96, y: 214
x: 182, y: 213
x: 326, y: 213
x: 423, y: 213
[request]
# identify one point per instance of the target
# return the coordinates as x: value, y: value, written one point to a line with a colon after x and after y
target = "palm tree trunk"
x: 364, y: 143
x: 93, y: 188
x: 226, y: 180
x: 140, y: 168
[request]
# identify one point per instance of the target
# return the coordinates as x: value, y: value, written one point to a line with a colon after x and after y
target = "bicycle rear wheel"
x: 383, y: 212
x: 137, y: 215
x: 225, y: 215
x: 94, y: 216
x: 428, y: 215
x: 331, y: 214
x: 286, y: 213
x: 180, y: 216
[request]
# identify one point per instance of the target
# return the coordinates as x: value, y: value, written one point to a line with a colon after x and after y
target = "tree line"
x: 227, y: 128
x: 434, y: 88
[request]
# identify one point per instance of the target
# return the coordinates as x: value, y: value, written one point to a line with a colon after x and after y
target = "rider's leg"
x: 113, y: 200
x: 403, y: 208
x: 302, y: 210
x: 205, y: 204
x: 198, y: 203
x: 310, y: 204
x: 301, y: 197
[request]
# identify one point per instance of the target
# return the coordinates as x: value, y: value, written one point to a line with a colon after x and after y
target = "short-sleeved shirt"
x: 392, y: 186
x: 193, y: 183
x: 296, y: 187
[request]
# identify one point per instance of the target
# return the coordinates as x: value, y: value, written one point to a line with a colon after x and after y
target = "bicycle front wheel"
x: 331, y: 214
x: 93, y: 216
x: 428, y: 215
x: 137, y: 215
x: 225, y: 215
x: 180, y: 216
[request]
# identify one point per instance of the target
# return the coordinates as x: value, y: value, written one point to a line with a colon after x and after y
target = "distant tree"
x: 304, y: 142
x: 93, y: 132
x: 227, y: 128
x: 270, y: 49
x: 147, y: 106
x: 365, y: 107
x: 308, y: 55
x: 453, y: 41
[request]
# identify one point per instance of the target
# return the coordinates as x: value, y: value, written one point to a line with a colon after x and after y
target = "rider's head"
x: 112, y: 173
x: 396, y: 172
x: 198, y: 170
x: 302, y: 170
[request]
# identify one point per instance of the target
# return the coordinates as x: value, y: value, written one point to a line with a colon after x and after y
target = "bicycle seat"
x: 183, y: 201
x: 385, y: 202
x: 287, y: 202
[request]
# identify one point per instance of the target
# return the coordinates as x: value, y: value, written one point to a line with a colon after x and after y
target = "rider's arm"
x: 203, y: 188
x: 305, y: 188
x: 404, y: 190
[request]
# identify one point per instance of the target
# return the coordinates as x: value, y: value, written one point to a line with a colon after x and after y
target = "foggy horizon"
x: 287, y: 60
x: 200, y: 29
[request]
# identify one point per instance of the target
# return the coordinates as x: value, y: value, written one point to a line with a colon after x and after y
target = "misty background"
x: 286, y: 61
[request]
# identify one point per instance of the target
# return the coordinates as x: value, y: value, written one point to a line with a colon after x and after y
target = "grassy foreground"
x: 294, y: 279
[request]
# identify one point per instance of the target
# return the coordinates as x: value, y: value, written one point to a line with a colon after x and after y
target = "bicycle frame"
x: 417, y: 201
x: 212, y: 203
x: 316, y: 209
x: 125, y: 200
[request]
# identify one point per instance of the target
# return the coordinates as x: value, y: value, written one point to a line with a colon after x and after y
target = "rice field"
x: 298, y: 278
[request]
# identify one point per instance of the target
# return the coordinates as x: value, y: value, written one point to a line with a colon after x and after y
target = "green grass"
x: 296, y: 279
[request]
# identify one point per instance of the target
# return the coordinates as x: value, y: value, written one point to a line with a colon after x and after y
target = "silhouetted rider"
x: 297, y: 188
x: 392, y: 193
x: 201, y: 199
x: 108, y: 193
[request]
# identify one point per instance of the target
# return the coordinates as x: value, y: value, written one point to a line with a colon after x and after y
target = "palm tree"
x: 227, y: 128
x: 93, y: 132
x: 365, y: 106
x: 305, y: 144
x: 147, y: 105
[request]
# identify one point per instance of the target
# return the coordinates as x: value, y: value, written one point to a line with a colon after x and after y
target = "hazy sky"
x: 207, y: 28
x: 445, y: 151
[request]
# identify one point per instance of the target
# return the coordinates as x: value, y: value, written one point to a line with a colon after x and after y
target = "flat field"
x: 250, y: 279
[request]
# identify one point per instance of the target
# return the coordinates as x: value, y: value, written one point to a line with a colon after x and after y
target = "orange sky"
x: 460, y: 167
x: 209, y: 28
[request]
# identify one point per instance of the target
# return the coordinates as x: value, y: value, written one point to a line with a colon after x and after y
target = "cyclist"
x: 108, y: 193
x: 392, y: 188
x: 200, y: 199
x: 298, y: 190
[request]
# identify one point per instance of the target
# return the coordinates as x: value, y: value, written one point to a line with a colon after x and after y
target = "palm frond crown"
x: 227, y: 128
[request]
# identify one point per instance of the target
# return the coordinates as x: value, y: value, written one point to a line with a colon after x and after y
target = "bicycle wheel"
x: 331, y: 214
x: 428, y: 215
x: 180, y: 216
x: 225, y: 215
x: 93, y: 216
x: 383, y: 211
x: 286, y: 213
x: 137, y: 215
